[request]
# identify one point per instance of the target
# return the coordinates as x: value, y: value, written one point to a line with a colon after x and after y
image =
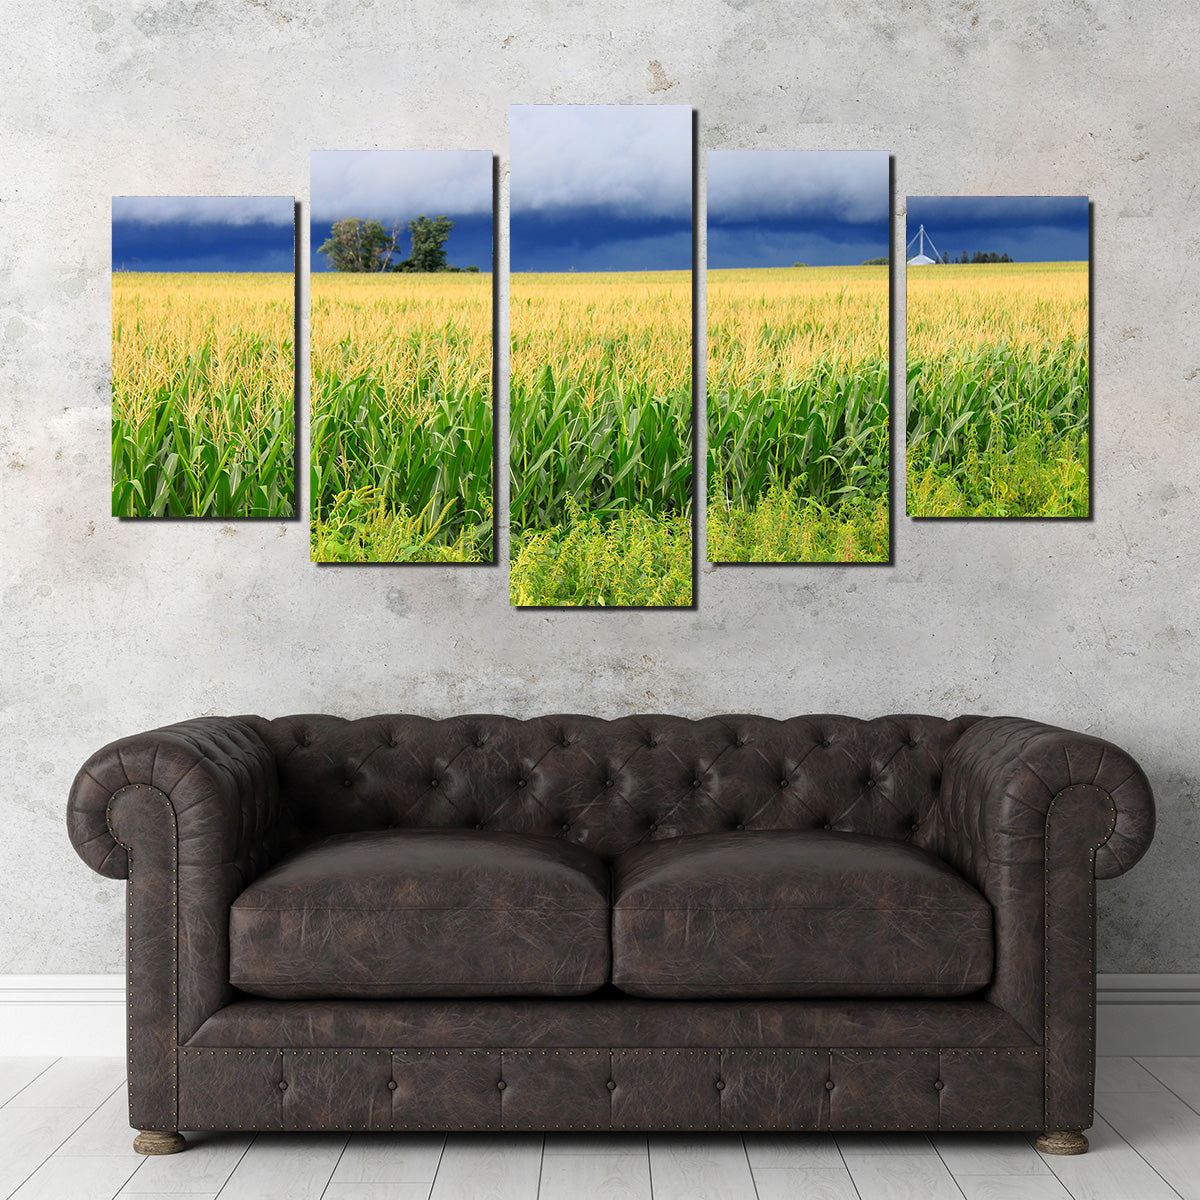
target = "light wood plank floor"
x: 63, y: 1136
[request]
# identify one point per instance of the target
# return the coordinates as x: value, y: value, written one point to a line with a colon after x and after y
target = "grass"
x: 401, y: 418
x: 798, y: 415
x: 203, y: 395
x: 785, y: 528
x: 629, y: 559
x: 362, y: 526
x: 998, y: 374
x: 600, y: 412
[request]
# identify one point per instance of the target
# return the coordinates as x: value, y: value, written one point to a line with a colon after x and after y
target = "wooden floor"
x: 64, y: 1136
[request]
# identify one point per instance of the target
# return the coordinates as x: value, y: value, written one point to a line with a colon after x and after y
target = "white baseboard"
x: 1148, y: 1014
x: 85, y: 1014
x: 62, y: 1014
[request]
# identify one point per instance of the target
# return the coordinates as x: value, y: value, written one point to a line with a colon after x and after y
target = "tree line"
x: 366, y: 247
x: 978, y: 257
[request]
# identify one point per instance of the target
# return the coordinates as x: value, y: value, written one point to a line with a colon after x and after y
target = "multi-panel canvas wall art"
x: 797, y: 391
x: 203, y: 365
x: 601, y: 344
x: 998, y: 397
x: 401, y: 356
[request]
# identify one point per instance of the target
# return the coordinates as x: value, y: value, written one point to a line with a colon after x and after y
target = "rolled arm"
x: 1033, y: 815
x: 1001, y: 778
x: 189, y: 814
x: 219, y: 777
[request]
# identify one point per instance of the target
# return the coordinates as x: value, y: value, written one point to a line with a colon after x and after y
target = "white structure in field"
x: 921, y: 259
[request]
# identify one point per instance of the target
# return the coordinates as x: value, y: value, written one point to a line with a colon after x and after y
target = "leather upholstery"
x: 1030, y: 815
x: 610, y: 785
x: 1026, y: 813
x: 785, y: 914
x: 190, y: 814
x: 610, y: 1018
x: 431, y: 912
x: 667, y: 1088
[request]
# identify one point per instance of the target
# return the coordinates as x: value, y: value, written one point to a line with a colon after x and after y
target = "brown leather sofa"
x: 734, y: 923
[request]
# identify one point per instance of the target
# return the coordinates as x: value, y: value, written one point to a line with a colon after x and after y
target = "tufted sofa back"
x: 609, y: 785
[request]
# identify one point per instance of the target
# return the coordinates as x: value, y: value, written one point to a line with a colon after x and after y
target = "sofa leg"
x: 1062, y: 1141
x: 159, y: 1141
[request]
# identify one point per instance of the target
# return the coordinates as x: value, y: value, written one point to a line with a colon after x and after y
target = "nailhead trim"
x: 153, y: 791
x: 726, y: 1089
x: 1112, y: 824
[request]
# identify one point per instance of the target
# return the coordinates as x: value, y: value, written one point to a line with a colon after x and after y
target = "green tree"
x: 362, y: 246
x: 876, y: 262
x: 428, y: 244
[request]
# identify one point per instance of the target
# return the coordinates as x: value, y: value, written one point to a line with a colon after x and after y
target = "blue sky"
x: 1028, y: 228
x: 771, y: 208
x: 395, y: 186
x: 600, y: 187
x: 203, y: 233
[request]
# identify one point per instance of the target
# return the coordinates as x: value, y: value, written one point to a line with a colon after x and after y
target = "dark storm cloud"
x: 600, y: 187
x: 203, y: 233
x: 770, y: 208
x: 395, y: 186
x: 1028, y: 228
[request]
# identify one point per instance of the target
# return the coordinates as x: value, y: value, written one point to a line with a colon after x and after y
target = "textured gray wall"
x: 110, y: 628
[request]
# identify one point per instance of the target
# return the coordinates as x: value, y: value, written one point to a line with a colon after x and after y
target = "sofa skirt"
x: 296, y: 1065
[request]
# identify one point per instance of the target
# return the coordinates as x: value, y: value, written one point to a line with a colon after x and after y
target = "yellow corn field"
x: 998, y: 386
x: 798, y: 414
x: 401, y: 432
x: 203, y: 394
x: 600, y: 411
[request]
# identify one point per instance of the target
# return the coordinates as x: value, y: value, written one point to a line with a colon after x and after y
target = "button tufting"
x: 827, y: 825
x: 347, y: 783
x: 434, y: 782
x: 827, y: 741
x: 912, y: 741
x: 501, y: 1085
x: 784, y: 781
x: 480, y: 740
x: 479, y: 825
x: 521, y: 782
x: 652, y: 742
x: 565, y: 826
x: 870, y: 783
x: 829, y: 1085
x: 939, y: 1085
x: 283, y: 1085
x: 611, y: 1085
x: 720, y: 1085
x: 392, y: 1085
x: 739, y: 825
x: 608, y: 783
x: 652, y: 828
x: 564, y: 740
x: 696, y: 783
x: 915, y: 826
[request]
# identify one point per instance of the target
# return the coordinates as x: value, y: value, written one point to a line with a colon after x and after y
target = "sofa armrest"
x: 1032, y: 816
x: 1004, y: 773
x: 189, y: 814
x: 218, y: 775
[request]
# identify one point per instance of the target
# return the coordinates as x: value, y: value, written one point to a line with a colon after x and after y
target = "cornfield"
x: 998, y: 411
x: 600, y: 411
x: 401, y: 429
x: 203, y: 395
x: 797, y: 414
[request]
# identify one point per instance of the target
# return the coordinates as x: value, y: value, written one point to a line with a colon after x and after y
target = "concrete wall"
x: 109, y: 628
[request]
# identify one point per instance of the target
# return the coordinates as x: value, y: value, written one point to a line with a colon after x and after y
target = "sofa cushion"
x: 403, y: 913
x: 773, y: 913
